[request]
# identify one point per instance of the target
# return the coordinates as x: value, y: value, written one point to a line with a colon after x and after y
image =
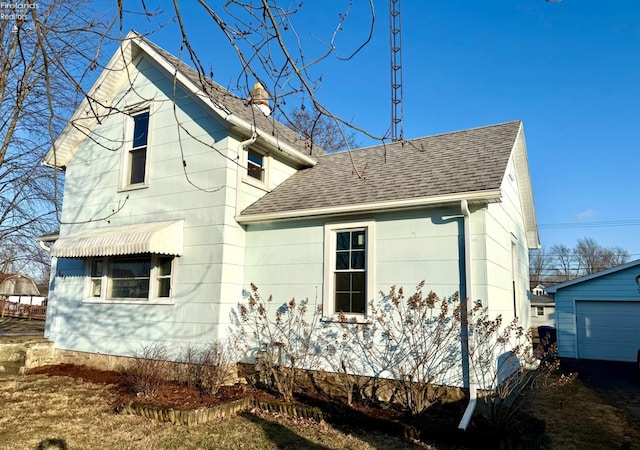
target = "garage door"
x: 608, y: 330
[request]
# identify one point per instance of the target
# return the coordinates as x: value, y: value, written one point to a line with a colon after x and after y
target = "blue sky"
x: 569, y: 70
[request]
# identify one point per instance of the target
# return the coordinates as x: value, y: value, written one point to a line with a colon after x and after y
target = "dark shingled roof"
x: 463, y: 161
x: 542, y: 300
x: 239, y: 106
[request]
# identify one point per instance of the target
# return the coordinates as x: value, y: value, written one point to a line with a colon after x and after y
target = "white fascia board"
x: 224, y: 113
x: 62, y: 151
x: 490, y: 196
x: 523, y: 175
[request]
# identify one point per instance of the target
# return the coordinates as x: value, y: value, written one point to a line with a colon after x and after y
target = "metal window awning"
x: 163, y: 238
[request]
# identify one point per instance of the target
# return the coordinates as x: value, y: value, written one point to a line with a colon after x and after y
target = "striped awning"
x: 163, y: 238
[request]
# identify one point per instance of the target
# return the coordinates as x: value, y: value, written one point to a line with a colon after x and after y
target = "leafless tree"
x: 47, y: 51
x: 52, y: 51
x: 562, y: 263
x: 594, y: 258
x: 320, y: 130
x: 539, y: 264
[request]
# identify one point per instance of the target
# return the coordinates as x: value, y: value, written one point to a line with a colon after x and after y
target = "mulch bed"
x: 168, y: 395
x: 438, y: 425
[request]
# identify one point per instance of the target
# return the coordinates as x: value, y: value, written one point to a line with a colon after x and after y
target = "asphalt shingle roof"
x: 463, y: 161
x: 239, y: 106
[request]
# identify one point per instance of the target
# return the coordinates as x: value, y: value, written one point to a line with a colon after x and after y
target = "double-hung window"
x: 348, y: 268
x: 130, y: 278
x: 539, y: 310
x: 137, y: 154
x: 255, y: 165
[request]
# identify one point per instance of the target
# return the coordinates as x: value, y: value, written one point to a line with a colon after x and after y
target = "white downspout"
x: 241, y: 147
x: 473, y: 398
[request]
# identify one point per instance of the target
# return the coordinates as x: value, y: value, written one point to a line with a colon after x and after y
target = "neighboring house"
x: 206, y: 198
x: 598, y: 315
x: 538, y: 290
x: 543, y: 311
x: 20, y: 289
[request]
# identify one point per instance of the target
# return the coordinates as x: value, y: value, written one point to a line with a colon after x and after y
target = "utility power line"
x: 600, y: 224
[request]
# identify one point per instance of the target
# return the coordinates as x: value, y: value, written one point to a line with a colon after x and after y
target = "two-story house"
x: 179, y: 194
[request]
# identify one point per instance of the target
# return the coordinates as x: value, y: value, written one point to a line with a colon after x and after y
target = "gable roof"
x: 446, y: 168
x: 553, y: 289
x: 542, y: 300
x: 16, y: 284
x: 240, y: 115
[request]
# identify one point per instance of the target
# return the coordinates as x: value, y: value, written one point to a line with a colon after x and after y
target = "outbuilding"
x: 598, y: 315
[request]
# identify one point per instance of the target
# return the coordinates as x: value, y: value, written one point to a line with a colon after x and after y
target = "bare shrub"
x: 148, y: 369
x: 506, y: 368
x: 414, y: 341
x: 421, y: 334
x: 206, y: 367
x: 283, y: 341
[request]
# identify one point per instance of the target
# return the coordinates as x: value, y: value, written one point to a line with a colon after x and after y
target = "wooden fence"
x: 21, y: 310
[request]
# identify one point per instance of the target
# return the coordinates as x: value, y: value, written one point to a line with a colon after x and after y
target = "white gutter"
x: 473, y: 396
x: 481, y: 196
x: 241, y: 147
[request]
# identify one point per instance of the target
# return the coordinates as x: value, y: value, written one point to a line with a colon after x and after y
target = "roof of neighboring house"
x: 553, y: 289
x: 16, y: 284
x: 542, y: 300
x: 468, y: 164
x: 239, y: 113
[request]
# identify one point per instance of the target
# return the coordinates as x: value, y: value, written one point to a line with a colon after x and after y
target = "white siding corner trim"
x: 163, y: 238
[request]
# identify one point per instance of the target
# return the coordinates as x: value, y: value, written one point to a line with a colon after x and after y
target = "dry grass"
x: 59, y: 412
x: 578, y: 418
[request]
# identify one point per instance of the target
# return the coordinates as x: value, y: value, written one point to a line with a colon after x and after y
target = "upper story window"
x: 539, y: 310
x: 349, y: 268
x: 130, y: 278
x: 255, y: 165
x: 137, y: 154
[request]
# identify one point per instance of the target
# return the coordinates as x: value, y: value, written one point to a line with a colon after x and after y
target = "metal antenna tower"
x: 397, y: 127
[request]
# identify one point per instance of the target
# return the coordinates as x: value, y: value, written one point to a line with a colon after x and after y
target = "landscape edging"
x: 207, y: 414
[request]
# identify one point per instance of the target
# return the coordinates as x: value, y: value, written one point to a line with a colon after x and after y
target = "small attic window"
x: 255, y: 165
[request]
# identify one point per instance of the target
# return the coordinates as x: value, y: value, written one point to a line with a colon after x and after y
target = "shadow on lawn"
x: 52, y: 444
x: 10, y: 326
x: 282, y: 436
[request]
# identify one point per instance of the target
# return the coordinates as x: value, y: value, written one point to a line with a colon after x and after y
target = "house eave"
x: 489, y: 196
x: 84, y: 119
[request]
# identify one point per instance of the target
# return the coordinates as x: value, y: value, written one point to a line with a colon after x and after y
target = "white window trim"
x: 153, y: 277
x: 328, y: 301
x: 266, y: 163
x: 539, y: 311
x: 128, y: 128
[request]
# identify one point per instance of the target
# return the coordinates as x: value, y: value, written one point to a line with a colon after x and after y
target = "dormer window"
x: 255, y: 165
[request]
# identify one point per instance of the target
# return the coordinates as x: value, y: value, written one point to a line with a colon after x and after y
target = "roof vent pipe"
x: 259, y: 97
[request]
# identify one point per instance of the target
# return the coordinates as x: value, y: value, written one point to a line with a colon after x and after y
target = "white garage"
x: 598, y: 315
